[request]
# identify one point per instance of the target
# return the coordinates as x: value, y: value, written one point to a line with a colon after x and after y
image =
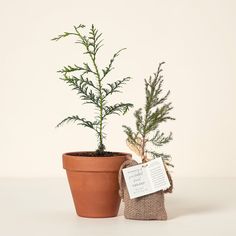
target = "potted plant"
x: 146, y: 141
x: 93, y: 175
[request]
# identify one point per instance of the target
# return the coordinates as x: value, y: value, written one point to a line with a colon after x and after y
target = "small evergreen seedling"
x: 148, y: 135
x: 89, y: 83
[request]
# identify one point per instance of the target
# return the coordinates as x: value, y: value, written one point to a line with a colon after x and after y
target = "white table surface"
x: 198, y: 206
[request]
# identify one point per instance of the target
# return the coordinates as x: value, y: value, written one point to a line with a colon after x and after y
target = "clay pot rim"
x: 93, y: 164
x: 115, y: 155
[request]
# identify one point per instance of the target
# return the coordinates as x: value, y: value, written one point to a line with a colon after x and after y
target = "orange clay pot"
x: 94, y: 183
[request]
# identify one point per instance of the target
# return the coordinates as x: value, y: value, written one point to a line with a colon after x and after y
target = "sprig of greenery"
x: 89, y: 83
x: 80, y: 121
x: 155, y: 112
x: 110, y: 67
x: 114, y: 87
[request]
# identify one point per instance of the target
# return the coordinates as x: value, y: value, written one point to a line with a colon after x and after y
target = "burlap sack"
x: 149, y: 207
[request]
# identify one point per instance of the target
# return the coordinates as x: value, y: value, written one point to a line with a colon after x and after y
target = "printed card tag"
x: 146, y: 178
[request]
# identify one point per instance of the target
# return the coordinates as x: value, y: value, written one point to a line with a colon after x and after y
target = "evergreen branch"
x: 110, y: 67
x: 167, y: 163
x: 153, y: 88
x: 70, y: 80
x: 65, y: 34
x: 87, y: 95
x: 88, y: 82
x: 68, y: 69
x: 114, y: 87
x: 81, y: 121
x: 158, y: 116
x: 139, y: 120
x: 165, y: 157
x: 128, y: 132
x: 95, y: 41
x: 160, y: 139
x: 120, y: 108
x: 131, y: 136
x: 163, y: 113
x: 83, y: 40
x: 80, y: 85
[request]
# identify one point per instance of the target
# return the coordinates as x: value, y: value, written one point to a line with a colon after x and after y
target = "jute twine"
x: 149, y: 207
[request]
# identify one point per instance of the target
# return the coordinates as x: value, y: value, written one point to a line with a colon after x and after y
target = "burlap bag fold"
x: 149, y: 207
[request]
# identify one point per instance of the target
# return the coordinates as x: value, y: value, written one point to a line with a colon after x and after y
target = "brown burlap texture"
x: 149, y: 207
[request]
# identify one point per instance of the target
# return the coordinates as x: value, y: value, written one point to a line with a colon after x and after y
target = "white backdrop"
x: 195, y: 38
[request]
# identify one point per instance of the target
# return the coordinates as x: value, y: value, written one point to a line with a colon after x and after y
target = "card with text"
x: 146, y: 178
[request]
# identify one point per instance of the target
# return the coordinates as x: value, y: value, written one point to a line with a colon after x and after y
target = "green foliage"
x: 88, y: 81
x: 155, y: 112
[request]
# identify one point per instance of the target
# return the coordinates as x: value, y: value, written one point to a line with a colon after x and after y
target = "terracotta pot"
x: 94, y: 183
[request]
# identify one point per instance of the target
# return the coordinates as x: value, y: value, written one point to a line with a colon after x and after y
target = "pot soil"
x: 94, y: 183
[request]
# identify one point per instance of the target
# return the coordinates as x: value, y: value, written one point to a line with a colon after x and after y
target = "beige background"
x: 195, y: 38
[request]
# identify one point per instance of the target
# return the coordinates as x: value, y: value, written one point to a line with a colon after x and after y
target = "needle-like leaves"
x: 89, y: 85
x: 155, y: 112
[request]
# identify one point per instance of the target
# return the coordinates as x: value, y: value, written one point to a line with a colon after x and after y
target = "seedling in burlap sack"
x: 145, y: 141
